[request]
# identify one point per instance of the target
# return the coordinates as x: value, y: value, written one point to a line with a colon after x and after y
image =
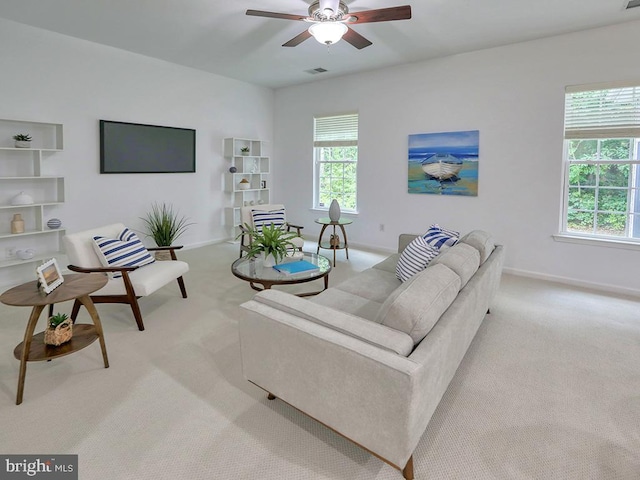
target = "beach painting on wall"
x: 444, y: 163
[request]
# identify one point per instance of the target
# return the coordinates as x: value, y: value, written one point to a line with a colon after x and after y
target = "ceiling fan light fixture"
x: 328, y: 33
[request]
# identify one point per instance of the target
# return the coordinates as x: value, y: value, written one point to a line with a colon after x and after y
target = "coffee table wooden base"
x: 266, y: 285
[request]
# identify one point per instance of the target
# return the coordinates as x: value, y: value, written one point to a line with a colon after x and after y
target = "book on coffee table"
x: 300, y: 266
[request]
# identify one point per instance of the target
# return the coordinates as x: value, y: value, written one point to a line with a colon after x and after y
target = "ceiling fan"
x: 331, y: 21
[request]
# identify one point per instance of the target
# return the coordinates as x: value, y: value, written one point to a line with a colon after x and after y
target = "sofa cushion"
x: 388, y: 264
x: 124, y: 251
x: 370, y: 332
x: 481, y: 241
x: 415, y: 258
x: 348, y: 302
x: 372, y: 284
x: 416, y: 306
x: 462, y: 259
x: 439, y: 237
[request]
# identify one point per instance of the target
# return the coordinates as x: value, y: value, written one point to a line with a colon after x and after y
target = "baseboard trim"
x: 601, y: 287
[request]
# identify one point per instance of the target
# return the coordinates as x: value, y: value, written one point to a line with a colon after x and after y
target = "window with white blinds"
x: 602, y: 162
x: 335, y: 155
x: 336, y: 131
x: 602, y: 112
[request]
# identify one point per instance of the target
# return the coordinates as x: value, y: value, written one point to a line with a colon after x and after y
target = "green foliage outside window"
x: 609, y: 183
x: 337, y: 176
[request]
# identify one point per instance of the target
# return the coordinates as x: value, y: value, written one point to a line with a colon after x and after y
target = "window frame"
x: 600, y: 118
x: 335, y: 138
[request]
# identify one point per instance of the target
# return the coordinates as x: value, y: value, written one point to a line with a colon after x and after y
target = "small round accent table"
x: 32, y: 349
x: 343, y: 244
x: 253, y: 271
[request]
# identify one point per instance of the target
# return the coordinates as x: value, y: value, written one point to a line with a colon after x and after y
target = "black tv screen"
x: 136, y: 148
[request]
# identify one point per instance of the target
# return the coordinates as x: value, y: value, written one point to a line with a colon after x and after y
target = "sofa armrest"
x: 361, y: 391
x: 371, y: 332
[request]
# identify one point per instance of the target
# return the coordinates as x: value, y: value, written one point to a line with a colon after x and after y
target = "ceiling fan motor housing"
x: 328, y: 14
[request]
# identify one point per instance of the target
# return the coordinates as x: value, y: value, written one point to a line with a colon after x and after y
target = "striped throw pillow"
x: 415, y: 258
x: 439, y: 237
x: 125, y: 251
x: 267, y: 217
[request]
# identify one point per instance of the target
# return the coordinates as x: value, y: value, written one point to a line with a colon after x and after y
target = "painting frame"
x: 444, y: 163
x: 49, y: 276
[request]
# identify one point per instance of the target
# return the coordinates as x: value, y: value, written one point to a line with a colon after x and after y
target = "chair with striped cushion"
x: 256, y: 216
x: 116, y: 251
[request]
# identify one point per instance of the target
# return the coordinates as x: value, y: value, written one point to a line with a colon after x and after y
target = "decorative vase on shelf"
x: 22, y: 199
x: 334, y: 211
x: 54, y: 223
x: 17, y: 223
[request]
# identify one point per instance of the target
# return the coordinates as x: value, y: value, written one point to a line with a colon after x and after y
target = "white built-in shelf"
x: 25, y: 170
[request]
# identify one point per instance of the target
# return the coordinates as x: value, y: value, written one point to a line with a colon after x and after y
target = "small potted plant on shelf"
x: 59, y: 329
x: 272, y: 242
x: 164, y: 225
x: 244, y: 150
x: 22, y: 140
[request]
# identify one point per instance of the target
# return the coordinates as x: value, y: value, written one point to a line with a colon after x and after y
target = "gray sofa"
x: 372, y: 357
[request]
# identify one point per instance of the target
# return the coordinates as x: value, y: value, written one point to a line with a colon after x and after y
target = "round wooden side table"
x: 32, y: 349
x: 342, y: 244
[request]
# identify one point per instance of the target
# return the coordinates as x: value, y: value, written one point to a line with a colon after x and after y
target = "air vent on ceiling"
x: 314, y: 71
x: 633, y: 4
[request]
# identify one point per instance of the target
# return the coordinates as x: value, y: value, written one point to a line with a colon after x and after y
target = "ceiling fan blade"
x: 381, y: 15
x: 298, y: 39
x: 284, y: 16
x: 355, y: 39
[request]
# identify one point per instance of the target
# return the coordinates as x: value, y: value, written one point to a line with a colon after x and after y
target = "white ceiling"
x: 216, y: 36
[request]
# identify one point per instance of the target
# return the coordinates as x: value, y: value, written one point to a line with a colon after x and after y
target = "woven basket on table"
x: 60, y: 334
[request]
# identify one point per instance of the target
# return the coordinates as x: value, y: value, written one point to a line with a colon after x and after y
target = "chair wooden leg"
x: 132, y: 300
x: 136, y: 312
x: 183, y: 289
x: 407, y: 471
x: 75, y: 310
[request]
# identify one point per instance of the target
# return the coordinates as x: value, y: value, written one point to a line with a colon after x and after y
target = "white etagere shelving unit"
x: 252, y: 163
x: 28, y: 170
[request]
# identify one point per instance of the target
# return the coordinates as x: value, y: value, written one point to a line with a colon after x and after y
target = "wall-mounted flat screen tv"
x: 136, y: 148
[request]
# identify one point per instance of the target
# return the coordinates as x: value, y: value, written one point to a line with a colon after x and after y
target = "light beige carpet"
x: 550, y: 389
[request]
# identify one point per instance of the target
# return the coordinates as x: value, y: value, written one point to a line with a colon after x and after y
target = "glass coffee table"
x: 253, y: 271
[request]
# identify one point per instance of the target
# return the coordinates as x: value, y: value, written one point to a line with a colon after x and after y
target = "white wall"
x: 515, y: 96
x: 48, y: 77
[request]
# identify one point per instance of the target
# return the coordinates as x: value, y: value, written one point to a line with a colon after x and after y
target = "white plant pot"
x: 22, y: 144
x: 268, y: 260
x: 244, y: 186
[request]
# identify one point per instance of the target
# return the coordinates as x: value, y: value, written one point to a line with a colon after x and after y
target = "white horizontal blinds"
x: 602, y: 112
x: 336, y: 131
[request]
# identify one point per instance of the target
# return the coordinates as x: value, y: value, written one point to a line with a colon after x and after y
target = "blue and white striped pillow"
x: 267, y: 217
x: 439, y: 237
x: 415, y: 258
x: 125, y: 251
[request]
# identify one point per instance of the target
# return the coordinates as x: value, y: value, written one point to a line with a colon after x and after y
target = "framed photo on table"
x: 49, y: 276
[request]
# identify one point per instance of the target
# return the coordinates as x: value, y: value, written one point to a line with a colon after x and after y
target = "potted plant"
x: 244, y: 150
x: 59, y: 329
x: 272, y: 242
x: 164, y: 225
x: 22, y: 140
